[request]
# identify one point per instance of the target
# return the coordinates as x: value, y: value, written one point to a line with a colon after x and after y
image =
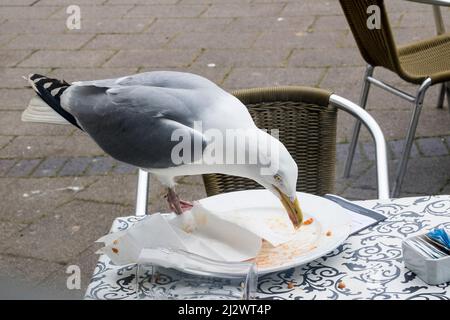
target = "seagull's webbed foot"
x: 175, y: 204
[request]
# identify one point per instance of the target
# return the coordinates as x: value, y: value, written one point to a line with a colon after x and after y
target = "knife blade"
x: 362, y: 217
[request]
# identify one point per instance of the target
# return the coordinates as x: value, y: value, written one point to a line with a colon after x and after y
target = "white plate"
x: 331, y: 226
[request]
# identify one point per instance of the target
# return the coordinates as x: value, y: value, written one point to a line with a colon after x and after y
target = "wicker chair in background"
x: 424, y: 63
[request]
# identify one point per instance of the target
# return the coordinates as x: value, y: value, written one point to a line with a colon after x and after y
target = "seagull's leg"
x: 186, y: 205
x: 175, y: 204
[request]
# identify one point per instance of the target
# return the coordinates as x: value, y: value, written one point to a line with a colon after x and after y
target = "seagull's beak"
x: 292, y: 208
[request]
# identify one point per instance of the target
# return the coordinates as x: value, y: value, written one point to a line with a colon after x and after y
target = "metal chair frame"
x: 416, y: 99
x: 338, y: 102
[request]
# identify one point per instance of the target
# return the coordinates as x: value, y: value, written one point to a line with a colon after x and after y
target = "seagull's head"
x: 277, y: 172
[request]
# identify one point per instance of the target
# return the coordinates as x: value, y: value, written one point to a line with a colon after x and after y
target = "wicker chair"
x: 424, y: 63
x: 306, y: 119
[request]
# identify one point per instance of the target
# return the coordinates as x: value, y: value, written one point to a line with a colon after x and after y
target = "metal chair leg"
x: 142, y: 193
x: 440, y: 103
x: 410, y: 137
x: 357, y: 126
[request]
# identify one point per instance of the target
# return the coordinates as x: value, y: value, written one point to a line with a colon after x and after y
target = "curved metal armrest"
x: 377, y: 134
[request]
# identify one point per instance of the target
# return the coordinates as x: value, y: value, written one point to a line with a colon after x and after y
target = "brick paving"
x: 60, y: 192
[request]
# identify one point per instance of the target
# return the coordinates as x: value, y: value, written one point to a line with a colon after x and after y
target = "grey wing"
x: 138, y: 125
x: 164, y: 79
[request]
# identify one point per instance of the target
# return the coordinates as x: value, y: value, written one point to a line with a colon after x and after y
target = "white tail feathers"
x: 39, y: 111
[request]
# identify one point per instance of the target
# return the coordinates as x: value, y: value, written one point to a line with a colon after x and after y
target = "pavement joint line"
x: 8, y: 254
x: 207, y: 7
x: 325, y: 71
x: 285, y: 61
x: 8, y: 42
x: 312, y: 25
x: 87, y: 42
x: 198, y: 55
x: 121, y: 204
x: 148, y: 26
x: 227, y: 74
x: 64, y: 266
x: 171, y: 39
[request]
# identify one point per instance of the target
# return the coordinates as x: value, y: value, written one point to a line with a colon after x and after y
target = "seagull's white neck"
x: 244, y: 159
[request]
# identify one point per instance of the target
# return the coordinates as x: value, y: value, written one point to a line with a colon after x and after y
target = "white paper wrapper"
x: 222, y: 237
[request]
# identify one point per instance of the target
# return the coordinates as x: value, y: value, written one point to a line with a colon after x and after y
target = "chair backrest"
x: 307, y: 127
x: 377, y: 46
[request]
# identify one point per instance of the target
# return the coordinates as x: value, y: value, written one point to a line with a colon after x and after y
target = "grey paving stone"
x: 7, y: 229
x: 95, y: 12
x: 243, y: 58
x: 33, y: 26
x: 12, y: 77
x: 336, y: 57
x: 49, y: 167
x: 43, y: 41
x: 447, y: 140
x: 86, y: 261
x: 244, y: 10
x: 311, y: 7
x: 113, y: 26
x: 32, y: 198
x: 77, y: 223
x: 4, y: 140
x: 15, y: 99
x: 432, y: 147
x: 396, y: 147
x: 25, y: 269
x: 259, y: 77
x: 23, y: 168
x: 100, y: 165
x: 9, y: 58
x: 5, y: 165
x: 124, y: 168
x: 75, y: 166
x: 275, y: 24
x: 214, y: 40
x: 129, y: 41
x: 369, y: 150
x: 300, y: 39
x: 61, y: 58
x: 153, y: 58
x: 359, y: 194
x: 12, y: 125
x: 166, y: 11
x: 119, y: 189
x: 446, y: 189
x: 70, y: 74
x: 176, y: 25
x: 423, y: 176
x: 19, y: 12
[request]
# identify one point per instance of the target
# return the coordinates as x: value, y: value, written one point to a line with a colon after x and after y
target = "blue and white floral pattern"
x: 368, y: 263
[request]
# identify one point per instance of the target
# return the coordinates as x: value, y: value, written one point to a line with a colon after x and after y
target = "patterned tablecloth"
x: 369, y: 263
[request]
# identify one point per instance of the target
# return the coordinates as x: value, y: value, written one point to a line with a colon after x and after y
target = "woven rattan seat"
x: 426, y: 59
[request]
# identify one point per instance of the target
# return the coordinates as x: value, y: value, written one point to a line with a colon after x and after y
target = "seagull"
x: 134, y: 119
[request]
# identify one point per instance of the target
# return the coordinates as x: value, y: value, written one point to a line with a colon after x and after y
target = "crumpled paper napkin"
x: 227, y: 236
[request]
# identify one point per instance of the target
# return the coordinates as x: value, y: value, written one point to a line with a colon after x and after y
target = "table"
x: 369, y: 263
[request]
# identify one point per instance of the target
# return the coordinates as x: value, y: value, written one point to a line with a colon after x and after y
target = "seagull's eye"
x: 277, y: 178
